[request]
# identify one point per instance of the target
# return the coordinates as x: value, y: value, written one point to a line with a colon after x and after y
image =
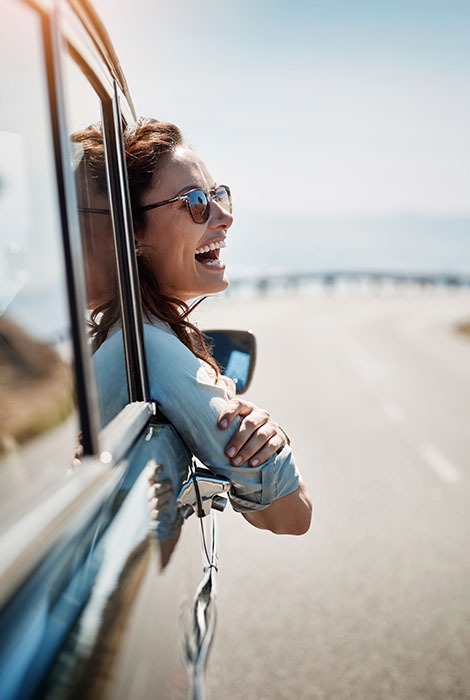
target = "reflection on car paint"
x: 124, y: 552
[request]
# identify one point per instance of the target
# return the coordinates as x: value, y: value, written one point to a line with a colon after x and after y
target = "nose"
x: 219, y: 216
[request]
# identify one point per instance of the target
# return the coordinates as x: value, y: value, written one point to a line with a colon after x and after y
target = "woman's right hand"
x: 258, y: 438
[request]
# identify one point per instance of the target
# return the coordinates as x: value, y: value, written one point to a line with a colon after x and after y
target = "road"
x: 374, y: 602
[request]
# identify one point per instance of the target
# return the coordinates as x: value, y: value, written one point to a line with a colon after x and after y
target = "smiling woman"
x: 184, y: 249
x: 181, y: 222
x: 94, y: 601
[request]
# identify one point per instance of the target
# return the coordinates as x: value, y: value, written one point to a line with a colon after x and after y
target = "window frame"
x: 73, y: 26
x: 71, y: 33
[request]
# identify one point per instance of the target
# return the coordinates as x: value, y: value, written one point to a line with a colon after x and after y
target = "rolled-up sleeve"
x: 191, y: 400
x: 255, y: 488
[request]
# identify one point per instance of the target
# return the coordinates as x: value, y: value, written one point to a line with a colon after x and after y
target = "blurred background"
x: 341, y: 126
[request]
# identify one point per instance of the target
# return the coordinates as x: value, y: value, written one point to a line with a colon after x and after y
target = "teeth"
x: 211, y: 246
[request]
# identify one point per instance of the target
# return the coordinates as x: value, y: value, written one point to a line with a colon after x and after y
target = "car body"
x: 96, y: 600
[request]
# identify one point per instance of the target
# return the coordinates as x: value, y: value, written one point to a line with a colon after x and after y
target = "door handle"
x: 201, y: 492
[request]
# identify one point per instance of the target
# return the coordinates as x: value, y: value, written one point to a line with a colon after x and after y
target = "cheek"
x: 159, y: 237
x: 169, y: 247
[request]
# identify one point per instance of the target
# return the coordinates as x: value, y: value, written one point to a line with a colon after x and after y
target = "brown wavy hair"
x: 147, y: 142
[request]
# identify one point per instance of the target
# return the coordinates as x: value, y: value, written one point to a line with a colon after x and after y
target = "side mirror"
x: 235, y: 353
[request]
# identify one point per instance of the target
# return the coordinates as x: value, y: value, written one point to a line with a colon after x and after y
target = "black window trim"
x: 124, y: 239
x: 25, y: 543
x: 73, y: 254
x: 129, y: 290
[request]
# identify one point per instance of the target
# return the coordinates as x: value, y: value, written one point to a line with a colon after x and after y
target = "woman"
x: 181, y: 222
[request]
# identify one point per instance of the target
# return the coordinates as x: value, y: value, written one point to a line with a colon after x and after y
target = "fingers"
x: 160, y: 497
x: 154, y: 470
x: 257, y: 425
x: 257, y: 439
x: 261, y: 446
x: 234, y: 408
x: 269, y: 449
x: 256, y: 446
x: 160, y: 492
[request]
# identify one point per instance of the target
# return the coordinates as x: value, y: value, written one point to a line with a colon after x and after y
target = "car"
x: 97, y: 599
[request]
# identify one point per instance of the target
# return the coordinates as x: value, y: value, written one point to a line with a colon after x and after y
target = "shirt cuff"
x: 255, y: 488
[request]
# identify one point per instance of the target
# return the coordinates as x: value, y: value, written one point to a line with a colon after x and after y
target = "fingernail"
x: 223, y: 423
x: 237, y: 461
x: 254, y: 462
x: 231, y: 451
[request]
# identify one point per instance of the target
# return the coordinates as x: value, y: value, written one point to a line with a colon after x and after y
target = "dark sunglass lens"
x: 198, y: 206
x: 222, y: 197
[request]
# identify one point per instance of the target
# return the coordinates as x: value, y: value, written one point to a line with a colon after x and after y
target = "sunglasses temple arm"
x: 161, y: 204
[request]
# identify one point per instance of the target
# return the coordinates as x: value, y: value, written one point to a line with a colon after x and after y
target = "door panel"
x: 138, y: 585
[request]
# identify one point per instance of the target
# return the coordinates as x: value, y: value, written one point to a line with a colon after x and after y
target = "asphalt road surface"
x: 374, y: 602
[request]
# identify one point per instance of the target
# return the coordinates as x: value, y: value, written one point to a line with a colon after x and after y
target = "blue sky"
x: 311, y: 107
x: 341, y: 126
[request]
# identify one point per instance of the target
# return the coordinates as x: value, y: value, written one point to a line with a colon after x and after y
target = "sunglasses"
x: 198, y: 202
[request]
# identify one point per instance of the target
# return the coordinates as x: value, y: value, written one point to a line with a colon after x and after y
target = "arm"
x: 289, y: 515
x: 191, y: 400
x: 258, y: 437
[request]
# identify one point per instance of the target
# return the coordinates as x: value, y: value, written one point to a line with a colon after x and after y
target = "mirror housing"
x: 235, y: 353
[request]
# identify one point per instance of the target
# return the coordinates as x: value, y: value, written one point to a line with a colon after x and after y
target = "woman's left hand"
x: 258, y: 437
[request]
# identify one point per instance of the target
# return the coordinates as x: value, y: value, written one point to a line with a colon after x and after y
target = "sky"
x: 320, y: 107
x: 340, y: 125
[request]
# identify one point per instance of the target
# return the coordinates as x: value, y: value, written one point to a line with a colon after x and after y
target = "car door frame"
x: 43, y: 535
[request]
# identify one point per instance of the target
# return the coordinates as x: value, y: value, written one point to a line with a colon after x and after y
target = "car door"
x: 97, y: 599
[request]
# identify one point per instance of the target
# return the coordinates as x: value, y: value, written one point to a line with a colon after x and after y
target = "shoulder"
x: 111, y: 377
x: 163, y: 346
x: 173, y: 369
x: 111, y: 349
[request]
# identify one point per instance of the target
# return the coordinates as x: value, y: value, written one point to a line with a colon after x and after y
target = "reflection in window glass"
x: 100, y: 270
x: 38, y: 424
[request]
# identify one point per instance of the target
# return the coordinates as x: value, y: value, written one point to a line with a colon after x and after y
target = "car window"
x: 38, y: 420
x: 83, y: 112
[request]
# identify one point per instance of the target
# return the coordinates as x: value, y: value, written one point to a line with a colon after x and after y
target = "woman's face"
x: 172, y: 241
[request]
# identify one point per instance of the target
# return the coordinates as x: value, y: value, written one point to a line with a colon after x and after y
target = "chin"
x: 220, y: 286
x: 214, y: 286
x: 203, y: 288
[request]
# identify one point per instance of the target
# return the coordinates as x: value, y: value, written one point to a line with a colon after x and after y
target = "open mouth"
x: 208, y: 255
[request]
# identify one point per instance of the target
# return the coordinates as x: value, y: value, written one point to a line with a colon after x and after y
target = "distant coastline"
x: 396, y: 243
x: 266, y: 247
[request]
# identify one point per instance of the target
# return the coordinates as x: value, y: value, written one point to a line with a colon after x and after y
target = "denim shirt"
x: 189, y: 397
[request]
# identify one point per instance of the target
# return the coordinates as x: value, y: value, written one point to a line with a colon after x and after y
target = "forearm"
x: 188, y: 397
x: 288, y: 515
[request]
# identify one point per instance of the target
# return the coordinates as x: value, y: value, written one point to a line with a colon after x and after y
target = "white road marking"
x: 442, y: 466
x: 393, y: 411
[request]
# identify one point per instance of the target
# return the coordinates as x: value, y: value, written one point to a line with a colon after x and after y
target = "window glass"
x: 83, y: 112
x: 38, y: 421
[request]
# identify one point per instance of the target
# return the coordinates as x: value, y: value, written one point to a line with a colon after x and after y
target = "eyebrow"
x: 188, y: 188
